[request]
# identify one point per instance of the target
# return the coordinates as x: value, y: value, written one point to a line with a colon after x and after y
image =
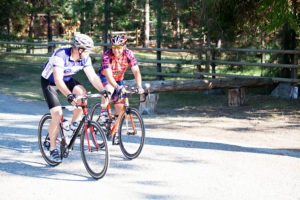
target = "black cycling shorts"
x: 50, y: 91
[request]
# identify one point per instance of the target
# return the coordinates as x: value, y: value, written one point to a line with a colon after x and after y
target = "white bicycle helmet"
x: 82, y: 41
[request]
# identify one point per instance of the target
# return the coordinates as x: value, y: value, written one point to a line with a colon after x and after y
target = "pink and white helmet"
x: 118, y: 40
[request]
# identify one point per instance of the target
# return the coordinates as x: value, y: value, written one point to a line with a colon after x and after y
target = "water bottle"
x: 74, y: 126
x: 104, y: 116
x: 66, y: 127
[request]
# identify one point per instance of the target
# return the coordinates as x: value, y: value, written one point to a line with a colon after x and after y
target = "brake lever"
x: 144, y: 96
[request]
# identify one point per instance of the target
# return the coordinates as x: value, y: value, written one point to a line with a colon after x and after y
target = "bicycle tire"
x: 131, y: 139
x: 95, y: 161
x: 96, y: 111
x: 44, y: 141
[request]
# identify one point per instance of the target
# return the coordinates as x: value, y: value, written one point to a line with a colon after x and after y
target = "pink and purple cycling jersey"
x: 118, y: 66
x: 62, y: 59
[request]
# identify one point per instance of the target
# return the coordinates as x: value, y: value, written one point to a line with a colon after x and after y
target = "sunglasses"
x: 117, y: 47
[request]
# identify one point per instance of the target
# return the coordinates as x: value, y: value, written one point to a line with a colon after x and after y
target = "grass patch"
x: 24, y: 81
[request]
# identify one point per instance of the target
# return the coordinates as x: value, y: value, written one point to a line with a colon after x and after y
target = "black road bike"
x: 93, y: 143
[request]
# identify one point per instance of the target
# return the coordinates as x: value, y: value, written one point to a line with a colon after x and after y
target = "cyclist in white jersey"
x: 57, y: 75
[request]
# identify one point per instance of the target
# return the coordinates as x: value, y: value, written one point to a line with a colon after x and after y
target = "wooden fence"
x: 209, y: 59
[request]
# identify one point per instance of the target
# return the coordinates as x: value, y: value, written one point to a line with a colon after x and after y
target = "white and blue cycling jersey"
x: 62, y: 59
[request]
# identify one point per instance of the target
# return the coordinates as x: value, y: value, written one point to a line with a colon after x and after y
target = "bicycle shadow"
x: 13, y: 144
x: 39, y: 170
x: 220, y: 147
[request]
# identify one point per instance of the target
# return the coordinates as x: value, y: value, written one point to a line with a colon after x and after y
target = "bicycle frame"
x: 84, y: 122
x: 113, y: 127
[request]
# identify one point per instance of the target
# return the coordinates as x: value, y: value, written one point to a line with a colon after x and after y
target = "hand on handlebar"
x: 106, y: 94
x: 72, y: 99
x: 140, y: 90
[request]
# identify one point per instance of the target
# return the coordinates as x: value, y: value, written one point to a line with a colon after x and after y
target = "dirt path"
x: 278, y: 132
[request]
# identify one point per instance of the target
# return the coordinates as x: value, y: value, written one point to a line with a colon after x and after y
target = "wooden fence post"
x: 136, y: 36
x: 213, y: 65
x: 148, y: 104
x: 236, y: 97
x: 51, y: 47
x: 207, y: 65
x: 295, y: 70
x: 199, y: 55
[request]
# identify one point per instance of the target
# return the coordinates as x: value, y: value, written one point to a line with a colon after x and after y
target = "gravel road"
x: 173, y: 165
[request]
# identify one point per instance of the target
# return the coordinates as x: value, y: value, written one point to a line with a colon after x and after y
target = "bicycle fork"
x: 127, y: 112
x: 93, y: 135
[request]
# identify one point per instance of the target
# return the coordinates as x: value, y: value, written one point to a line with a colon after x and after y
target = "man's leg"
x: 104, y: 111
x: 53, y: 130
x: 118, y: 108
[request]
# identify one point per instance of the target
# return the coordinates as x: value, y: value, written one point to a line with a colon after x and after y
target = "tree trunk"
x: 82, y: 22
x: 178, y: 33
x: 178, y: 29
x: 158, y: 35
x: 294, y: 73
x: 147, y: 24
x: 263, y: 55
x: 106, y: 22
x: 9, y: 32
x: 9, y: 26
x: 50, y: 35
x: 288, y: 37
x: 30, y: 33
x: 208, y: 39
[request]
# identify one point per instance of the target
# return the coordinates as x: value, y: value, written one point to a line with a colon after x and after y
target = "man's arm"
x: 109, y: 76
x: 93, y: 78
x: 137, y: 75
x: 58, y: 75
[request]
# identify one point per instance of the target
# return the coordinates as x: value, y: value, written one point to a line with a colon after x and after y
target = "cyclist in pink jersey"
x: 115, y: 62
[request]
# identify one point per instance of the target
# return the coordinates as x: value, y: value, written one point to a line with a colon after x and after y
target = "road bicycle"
x: 93, y: 142
x: 129, y: 124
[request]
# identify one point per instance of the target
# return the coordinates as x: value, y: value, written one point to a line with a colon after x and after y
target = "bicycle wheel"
x: 96, y: 111
x: 94, y: 150
x: 131, y: 133
x: 44, y: 140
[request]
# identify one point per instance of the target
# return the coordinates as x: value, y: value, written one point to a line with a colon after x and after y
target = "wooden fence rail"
x: 234, y: 83
x: 208, y: 61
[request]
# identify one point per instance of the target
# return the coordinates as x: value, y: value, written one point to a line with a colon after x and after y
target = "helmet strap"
x: 80, y: 52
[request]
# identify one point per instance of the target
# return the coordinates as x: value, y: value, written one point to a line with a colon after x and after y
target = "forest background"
x: 174, y: 23
x: 188, y: 24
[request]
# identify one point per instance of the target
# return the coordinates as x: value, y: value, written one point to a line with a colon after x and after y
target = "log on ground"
x: 201, y: 84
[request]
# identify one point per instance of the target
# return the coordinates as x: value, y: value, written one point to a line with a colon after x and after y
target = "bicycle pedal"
x: 94, y: 149
x: 108, y: 136
x: 47, y: 145
x: 115, y: 141
x: 131, y: 133
x: 66, y: 154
